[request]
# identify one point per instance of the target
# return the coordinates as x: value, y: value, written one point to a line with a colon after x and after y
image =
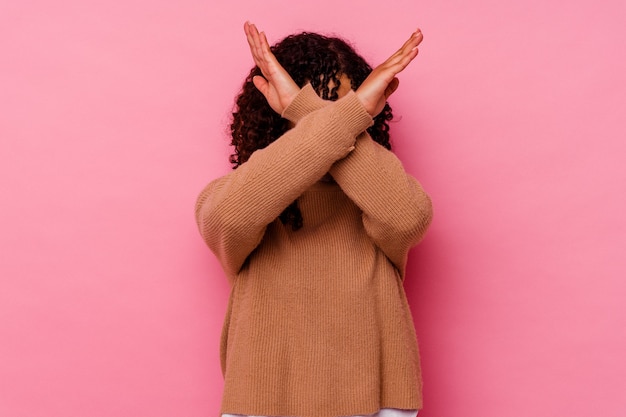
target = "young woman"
x: 312, y: 229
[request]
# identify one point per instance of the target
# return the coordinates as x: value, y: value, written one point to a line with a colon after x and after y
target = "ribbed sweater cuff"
x: 354, y: 118
x: 307, y: 101
x: 304, y: 103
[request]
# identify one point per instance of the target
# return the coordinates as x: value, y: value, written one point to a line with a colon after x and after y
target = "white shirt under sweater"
x: 384, y: 412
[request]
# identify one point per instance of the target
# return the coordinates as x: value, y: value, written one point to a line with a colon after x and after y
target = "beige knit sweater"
x: 318, y: 323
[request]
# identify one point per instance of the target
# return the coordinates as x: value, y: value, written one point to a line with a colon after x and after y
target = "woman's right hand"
x: 276, y: 84
x: 382, y: 81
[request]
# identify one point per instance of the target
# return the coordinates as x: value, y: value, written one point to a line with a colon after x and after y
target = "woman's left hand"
x: 276, y: 84
x: 382, y: 81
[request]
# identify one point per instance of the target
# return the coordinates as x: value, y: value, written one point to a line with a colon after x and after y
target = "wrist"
x: 304, y: 102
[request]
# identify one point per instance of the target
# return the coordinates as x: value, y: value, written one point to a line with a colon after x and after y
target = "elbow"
x: 418, y: 220
x: 423, y: 217
x: 230, y: 238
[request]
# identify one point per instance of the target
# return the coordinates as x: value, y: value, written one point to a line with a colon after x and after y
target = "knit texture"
x: 318, y: 323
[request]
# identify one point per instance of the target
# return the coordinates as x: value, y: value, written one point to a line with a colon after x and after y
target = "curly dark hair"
x: 307, y: 57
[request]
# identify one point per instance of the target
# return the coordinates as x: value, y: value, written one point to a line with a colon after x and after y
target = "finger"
x: 261, y: 52
x: 265, y: 47
x: 391, y: 87
x: 270, y: 62
x: 414, y: 40
x: 417, y: 37
x: 407, y: 57
x: 246, y: 30
x: 257, y: 41
x: 250, y: 37
x: 404, y: 55
x: 251, y: 42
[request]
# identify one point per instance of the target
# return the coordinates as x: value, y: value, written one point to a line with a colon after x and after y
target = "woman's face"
x: 344, y: 87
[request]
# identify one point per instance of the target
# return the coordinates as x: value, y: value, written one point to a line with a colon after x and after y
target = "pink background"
x: 113, y: 117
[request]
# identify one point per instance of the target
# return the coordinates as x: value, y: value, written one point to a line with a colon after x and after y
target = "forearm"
x: 233, y: 211
x: 305, y: 103
x: 396, y: 210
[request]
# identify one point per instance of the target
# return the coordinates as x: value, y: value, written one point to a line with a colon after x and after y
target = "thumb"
x: 391, y: 87
x: 261, y: 84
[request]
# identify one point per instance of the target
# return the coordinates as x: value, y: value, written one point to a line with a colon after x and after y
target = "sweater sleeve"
x: 304, y: 103
x: 396, y: 210
x: 233, y: 211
